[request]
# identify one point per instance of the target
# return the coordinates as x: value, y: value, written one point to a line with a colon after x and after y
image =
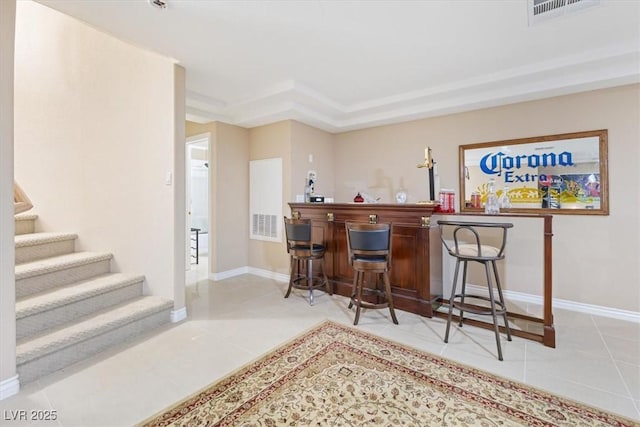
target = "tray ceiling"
x: 344, y: 65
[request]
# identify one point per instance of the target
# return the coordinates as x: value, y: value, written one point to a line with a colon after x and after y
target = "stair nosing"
x: 25, y: 217
x: 65, y: 336
x: 40, y: 238
x: 58, y: 263
x: 76, y: 292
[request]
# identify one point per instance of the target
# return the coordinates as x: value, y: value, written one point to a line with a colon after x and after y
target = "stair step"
x: 45, y: 274
x: 25, y: 223
x: 43, y: 311
x: 69, y: 306
x: 62, y: 347
x: 35, y: 246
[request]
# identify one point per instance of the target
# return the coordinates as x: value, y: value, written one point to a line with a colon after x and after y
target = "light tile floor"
x: 234, y: 321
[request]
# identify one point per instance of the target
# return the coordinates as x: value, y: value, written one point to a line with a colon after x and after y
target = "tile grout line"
x: 617, y: 368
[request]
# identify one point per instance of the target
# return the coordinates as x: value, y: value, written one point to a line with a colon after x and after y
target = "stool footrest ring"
x: 477, y: 309
x: 317, y: 283
x: 365, y: 304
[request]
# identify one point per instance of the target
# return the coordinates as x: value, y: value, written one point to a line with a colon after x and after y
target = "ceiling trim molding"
x: 295, y: 100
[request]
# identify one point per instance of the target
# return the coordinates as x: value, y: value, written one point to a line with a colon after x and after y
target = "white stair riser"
x: 38, y: 323
x: 78, y: 351
x: 54, y: 279
x: 25, y: 226
x: 44, y: 250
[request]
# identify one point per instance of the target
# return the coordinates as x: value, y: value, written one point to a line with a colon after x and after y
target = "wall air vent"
x: 265, y: 199
x: 542, y: 10
x: 266, y: 226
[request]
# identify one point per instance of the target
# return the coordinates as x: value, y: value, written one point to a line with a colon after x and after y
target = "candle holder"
x: 429, y: 164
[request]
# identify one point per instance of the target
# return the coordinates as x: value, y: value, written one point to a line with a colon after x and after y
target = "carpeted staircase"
x: 69, y: 306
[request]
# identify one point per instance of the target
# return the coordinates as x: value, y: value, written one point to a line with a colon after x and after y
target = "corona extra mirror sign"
x: 551, y: 172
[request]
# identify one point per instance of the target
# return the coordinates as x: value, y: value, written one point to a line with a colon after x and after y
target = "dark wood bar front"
x: 416, y: 269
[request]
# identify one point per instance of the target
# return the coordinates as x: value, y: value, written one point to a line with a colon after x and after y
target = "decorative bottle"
x: 491, y: 206
x: 505, y: 201
x: 307, y: 192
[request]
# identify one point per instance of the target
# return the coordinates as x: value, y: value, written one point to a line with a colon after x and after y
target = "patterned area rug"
x: 336, y: 375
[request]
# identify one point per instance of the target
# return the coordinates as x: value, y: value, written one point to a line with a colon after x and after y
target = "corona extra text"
x: 499, y: 164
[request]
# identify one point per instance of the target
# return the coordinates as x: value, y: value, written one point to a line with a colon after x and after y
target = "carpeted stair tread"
x: 34, y: 246
x: 90, y: 327
x: 25, y: 223
x: 58, y: 263
x: 76, y: 292
x: 25, y: 217
x: 34, y: 239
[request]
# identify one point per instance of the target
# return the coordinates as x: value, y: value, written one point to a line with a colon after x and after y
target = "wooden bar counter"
x: 416, y: 269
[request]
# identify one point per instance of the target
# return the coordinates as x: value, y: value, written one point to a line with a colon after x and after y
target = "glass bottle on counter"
x: 491, y: 205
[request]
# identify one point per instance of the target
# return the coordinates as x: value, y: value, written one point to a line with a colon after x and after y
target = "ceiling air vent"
x: 160, y: 4
x: 542, y: 10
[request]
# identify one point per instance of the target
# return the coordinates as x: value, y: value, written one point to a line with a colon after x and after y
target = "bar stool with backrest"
x: 467, y: 246
x: 303, y: 253
x: 369, y: 250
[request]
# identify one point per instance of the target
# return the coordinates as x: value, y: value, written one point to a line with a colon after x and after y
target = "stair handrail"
x: 21, y: 202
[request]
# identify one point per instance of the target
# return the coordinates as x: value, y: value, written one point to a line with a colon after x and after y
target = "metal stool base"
x: 307, y: 281
x: 457, y: 301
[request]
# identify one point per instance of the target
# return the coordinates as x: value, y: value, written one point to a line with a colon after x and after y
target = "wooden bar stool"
x: 303, y: 253
x: 467, y: 246
x: 369, y: 249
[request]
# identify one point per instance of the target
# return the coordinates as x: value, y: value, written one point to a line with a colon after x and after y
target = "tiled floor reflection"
x: 234, y: 321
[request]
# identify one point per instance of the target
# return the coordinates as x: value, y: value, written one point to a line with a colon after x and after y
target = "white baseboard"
x: 597, y: 310
x: 9, y: 387
x: 229, y: 273
x: 269, y: 274
x: 178, y: 315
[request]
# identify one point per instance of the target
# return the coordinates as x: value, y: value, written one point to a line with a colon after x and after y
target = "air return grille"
x: 542, y: 10
x: 265, y: 199
x: 265, y: 226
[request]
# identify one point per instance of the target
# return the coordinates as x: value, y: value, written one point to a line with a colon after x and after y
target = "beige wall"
x: 595, y: 258
x: 267, y: 142
x: 8, y: 381
x: 95, y: 137
x: 382, y: 160
x: 232, y: 172
x: 229, y: 194
x: 306, y: 141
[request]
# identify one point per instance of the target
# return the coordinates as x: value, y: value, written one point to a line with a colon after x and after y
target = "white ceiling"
x: 343, y: 65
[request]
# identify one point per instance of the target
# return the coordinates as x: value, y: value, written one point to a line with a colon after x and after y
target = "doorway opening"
x: 198, y: 170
